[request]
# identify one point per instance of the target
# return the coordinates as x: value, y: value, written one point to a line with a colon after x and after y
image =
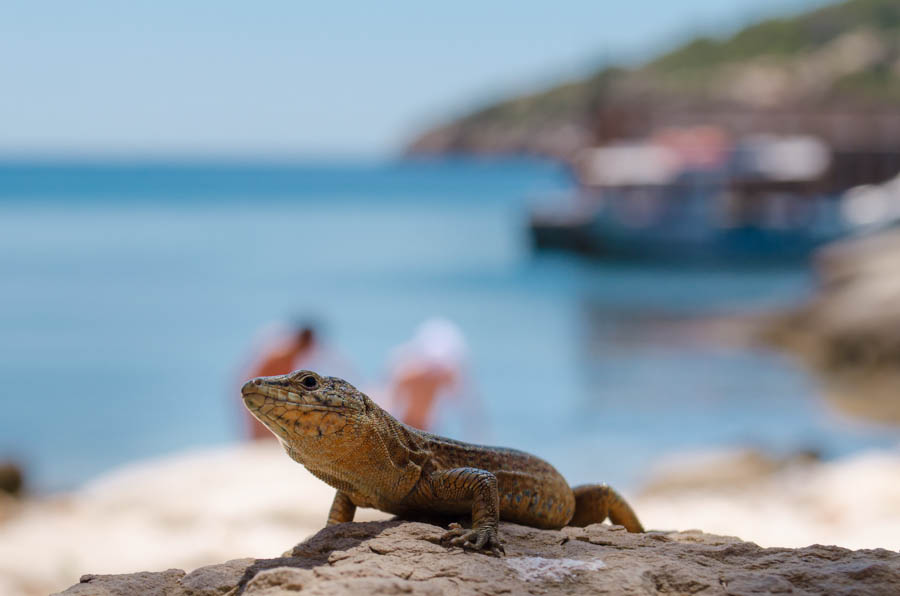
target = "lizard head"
x: 304, y: 408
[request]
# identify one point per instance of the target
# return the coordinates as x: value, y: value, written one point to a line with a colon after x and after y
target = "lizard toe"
x: 490, y: 542
x: 455, y: 532
x: 483, y: 540
x: 464, y: 541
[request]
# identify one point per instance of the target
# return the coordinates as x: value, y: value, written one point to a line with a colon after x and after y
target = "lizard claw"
x: 478, y: 539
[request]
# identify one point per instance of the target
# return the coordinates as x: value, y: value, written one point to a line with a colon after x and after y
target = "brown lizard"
x: 374, y: 460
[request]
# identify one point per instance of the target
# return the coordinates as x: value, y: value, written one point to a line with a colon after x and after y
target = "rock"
x: 788, y: 501
x: 847, y: 332
x: 394, y: 557
x: 214, y: 580
x: 163, y: 583
x: 739, y: 470
x: 851, y: 321
x: 11, y: 478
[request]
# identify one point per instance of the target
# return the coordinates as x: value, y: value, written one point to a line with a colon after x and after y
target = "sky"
x: 294, y: 78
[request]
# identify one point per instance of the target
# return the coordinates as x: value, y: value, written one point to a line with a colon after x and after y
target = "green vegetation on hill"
x: 787, y: 37
x: 845, y: 54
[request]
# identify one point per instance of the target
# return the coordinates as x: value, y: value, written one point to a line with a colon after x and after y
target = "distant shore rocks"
x: 12, y: 479
x: 12, y: 483
x: 789, y: 500
x: 849, y: 332
x: 392, y: 557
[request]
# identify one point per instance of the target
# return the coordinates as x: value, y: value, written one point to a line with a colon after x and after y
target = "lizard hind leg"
x: 595, y: 502
x: 342, y: 510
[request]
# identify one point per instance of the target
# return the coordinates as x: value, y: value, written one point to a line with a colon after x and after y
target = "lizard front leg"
x: 342, y: 509
x: 464, y: 486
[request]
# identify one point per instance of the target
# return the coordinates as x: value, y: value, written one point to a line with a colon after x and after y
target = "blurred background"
x: 651, y: 243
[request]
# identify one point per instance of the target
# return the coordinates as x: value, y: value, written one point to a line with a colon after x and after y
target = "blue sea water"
x: 131, y: 294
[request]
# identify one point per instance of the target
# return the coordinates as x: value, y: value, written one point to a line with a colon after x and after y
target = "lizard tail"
x: 595, y: 502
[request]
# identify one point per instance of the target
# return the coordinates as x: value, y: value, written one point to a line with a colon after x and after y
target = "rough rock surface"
x: 392, y: 557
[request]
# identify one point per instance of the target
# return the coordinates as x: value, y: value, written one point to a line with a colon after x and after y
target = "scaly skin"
x: 373, y: 460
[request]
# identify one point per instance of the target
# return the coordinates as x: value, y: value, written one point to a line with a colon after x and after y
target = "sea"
x: 134, y: 294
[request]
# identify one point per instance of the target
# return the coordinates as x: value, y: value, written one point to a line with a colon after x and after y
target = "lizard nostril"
x: 251, y: 385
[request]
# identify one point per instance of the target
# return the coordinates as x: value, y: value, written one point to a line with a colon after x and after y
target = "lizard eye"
x: 309, y: 382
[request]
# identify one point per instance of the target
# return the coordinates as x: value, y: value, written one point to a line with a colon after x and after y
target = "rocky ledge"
x: 393, y: 557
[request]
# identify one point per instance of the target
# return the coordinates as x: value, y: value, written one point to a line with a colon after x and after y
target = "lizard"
x: 373, y: 460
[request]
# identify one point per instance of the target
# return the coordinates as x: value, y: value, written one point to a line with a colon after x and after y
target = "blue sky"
x: 289, y: 78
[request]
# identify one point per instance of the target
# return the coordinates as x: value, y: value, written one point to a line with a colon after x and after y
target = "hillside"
x: 843, y: 57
